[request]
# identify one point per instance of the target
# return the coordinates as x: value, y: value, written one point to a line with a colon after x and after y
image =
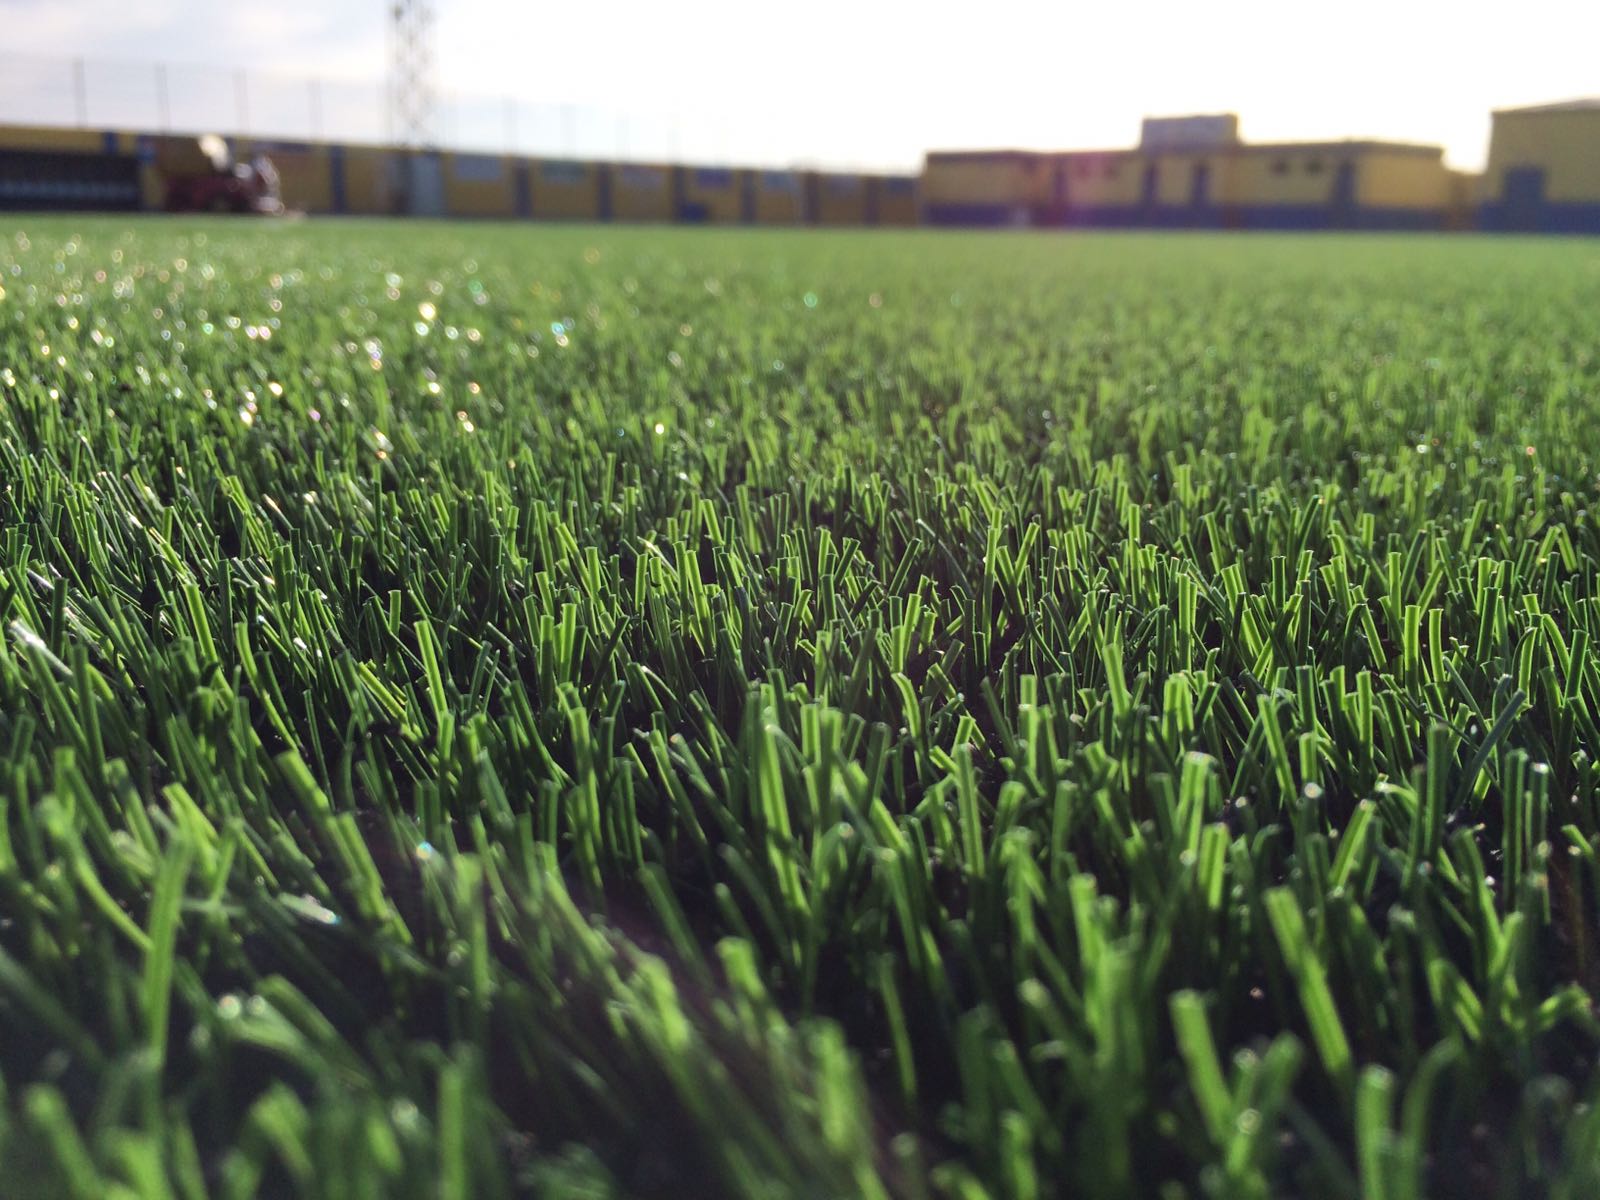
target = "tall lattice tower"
x: 413, y: 98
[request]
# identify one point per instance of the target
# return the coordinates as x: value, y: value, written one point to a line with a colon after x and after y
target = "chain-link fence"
x: 187, y: 98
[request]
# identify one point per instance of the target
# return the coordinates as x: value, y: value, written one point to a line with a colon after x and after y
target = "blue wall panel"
x: 1285, y: 216
x: 1570, y: 218
x: 336, y: 178
x: 523, y: 190
x: 971, y: 214
x: 1550, y: 218
x: 1129, y: 216
x: 1180, y: 216
x: 1413, y: 219
x: 1176, y: 216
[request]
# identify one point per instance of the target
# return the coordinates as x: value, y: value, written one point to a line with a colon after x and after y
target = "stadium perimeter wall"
x: 51, y: 168
x: 1543, y: 176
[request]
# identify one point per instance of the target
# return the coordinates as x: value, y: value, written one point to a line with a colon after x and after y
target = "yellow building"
x: 64, y: 141
x: 985, y: 187
x: 776, y: 197
x: 371, y: 180
x: 710, y: 195
x: 1544, y: 174
x: 1462, y: 211
x: 1090, y: 187
x: 1544, y: 169
x: 72, y: 168
x: 836, y: 198
x: 643, y: 192
x: 305, y: 171
x: 567, y: 190
x: 1195, y: 172
x: 480, y: 185
x: 1337, y: 185
x: 893, y: 199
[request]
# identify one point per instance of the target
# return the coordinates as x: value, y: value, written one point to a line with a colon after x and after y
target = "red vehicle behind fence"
x: 209, y: 180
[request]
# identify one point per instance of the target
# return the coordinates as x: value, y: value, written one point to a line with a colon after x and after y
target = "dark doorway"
x: 522, y: 190
x: 1200, y: 186
x: 677, y: 192
x: 1148, y: 195
x: 1344, y: 194
x: 1524, y: 199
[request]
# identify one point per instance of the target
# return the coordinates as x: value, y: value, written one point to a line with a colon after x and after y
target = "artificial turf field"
x: 493, y: 711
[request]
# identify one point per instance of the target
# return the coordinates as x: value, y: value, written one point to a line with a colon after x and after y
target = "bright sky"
x: 842, y: 82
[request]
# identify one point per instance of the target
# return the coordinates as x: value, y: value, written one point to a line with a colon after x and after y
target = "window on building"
x: 1280, y: 166
x: 477, y: 168
x: 1314, y: 167
x: 642, y: 179
x: 556, y: 171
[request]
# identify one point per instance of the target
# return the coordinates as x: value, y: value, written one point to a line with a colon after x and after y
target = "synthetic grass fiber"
x: 493, y: 711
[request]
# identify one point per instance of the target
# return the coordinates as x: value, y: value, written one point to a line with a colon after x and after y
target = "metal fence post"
x: 242, y: 98
x: 80, y: 92
x: 163, y: 103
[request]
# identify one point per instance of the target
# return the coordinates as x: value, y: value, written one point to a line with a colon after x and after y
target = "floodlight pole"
x: 413, y: 96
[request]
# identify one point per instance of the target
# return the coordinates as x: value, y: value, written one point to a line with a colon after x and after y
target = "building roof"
x: 995, y: 156
x: 1358, y: 145
x: 1346, y: 146
x: 1582, y: 104
x: 1349, y: 145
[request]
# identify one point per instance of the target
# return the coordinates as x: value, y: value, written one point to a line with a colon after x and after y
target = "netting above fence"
x: 167, y: 97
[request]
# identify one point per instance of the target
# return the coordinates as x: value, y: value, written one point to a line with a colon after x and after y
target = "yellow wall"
x: 641, y: 193
x: 565, y: 190
x: 479, y: 185
x: 780, y: 197
x: 1020, y: 180
x: 896, y: 200
x: 1255, y: 181
x: 70, y: 141
x: 1175, y: 177
x: 1246, y: 177
x: 152, y: 187
x: 305, y: 174
x: 1388, y: 180
x: 1172, y: 177
x: 716, y: 191
x: 369, y: 182
x: 1565, y: 144
x: 1464, y: 189
x: 840, y: 199
x: 1098, y: 180
x: 173, y: 153
x: 167, y: 153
